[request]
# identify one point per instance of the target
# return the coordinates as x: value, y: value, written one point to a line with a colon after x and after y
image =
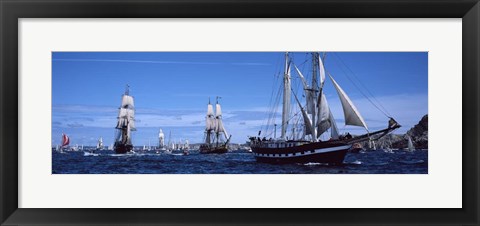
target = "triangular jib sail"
x: 352, y: 116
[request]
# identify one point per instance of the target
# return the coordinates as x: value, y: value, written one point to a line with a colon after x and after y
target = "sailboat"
x: 125, y: 124
x: 216, y: 137
x: 410, y: 144
x: 65, y: 142
x: 161, y: 141
x: 371, y: 145
x: 186, y: 148
x: 170, y: 145
x: 316, y: 119
x: 388, y: 145
x: 100, y: 144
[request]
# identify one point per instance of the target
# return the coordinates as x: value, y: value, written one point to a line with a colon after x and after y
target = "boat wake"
x: 413, y: 162
x: 315, y: 164
x: 356, y: 162
x: 90, y: 154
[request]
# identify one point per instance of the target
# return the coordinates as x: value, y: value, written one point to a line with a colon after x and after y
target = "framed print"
x: 222, y: 112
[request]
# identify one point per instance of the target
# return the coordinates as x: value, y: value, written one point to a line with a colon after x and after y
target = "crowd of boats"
x: 308, y: 130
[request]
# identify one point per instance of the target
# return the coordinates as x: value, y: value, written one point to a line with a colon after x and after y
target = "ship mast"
x: 286, y: 96
x: 210, y: 123
x: 314, y: 92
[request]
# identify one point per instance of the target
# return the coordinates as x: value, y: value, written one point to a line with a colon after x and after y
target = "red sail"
x: 65, y: 140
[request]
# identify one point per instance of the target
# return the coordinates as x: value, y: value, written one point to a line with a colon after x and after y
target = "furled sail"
x: 352, y: 116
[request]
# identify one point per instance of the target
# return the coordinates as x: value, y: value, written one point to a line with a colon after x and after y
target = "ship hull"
x: 212, y: 150
x: 123, y: 148
x: 318, y: 152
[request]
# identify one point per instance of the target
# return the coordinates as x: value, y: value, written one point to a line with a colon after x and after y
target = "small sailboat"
x: 125, y: 124
x: 216, y: 137
x: 186, y: 148
x: 100, y: 144
x: 388, y: 145
x: 410, y: 144
x: 372, y: 146
x: 317, y: 120
x: 65, y: 143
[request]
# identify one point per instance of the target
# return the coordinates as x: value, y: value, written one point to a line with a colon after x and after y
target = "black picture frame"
x: 12, y: 10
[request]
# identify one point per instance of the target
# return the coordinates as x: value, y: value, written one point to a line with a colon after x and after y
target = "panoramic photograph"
x: 239, y: 113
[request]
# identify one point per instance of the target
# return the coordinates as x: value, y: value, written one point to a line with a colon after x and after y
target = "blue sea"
x: 235, y: 162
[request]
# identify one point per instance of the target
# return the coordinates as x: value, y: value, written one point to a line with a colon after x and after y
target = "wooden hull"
x: 330, y: 152
x: 123, y: 148
x: 213, y: 150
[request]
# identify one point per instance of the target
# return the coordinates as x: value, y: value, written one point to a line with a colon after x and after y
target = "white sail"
x: 410, y: 144
x: 352, y: 116
x: 131, y: 124
x: 306, y: 119
x: 127, y: 101
x: 128, y: 134
x: 323, y: 119
x: 334, y: 131
x: 210, y: 110
x: 286, y: 96
x: 100, y: 143
x: 304, y: 82
x: 218, y: 119
x: 220, y: 128
x: 321, y: 70
x: 130, y: 113
x: 211, y: 125
x: 161, y: 138
x: 122, y: 113
x: 210, y: 119
x: 218, y: 110
x: 309, y: 93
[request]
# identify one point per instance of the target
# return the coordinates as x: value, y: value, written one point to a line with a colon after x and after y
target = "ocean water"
x: 107, y: 162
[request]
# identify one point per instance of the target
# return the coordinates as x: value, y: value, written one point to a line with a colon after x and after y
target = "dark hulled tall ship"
x: 216, y: 137
x: 312, y: 120
x: 125, y: 124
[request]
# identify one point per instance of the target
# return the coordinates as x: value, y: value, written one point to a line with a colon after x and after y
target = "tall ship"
x: 309, y: 132
x: 216, y: 137
x: 125, y: 124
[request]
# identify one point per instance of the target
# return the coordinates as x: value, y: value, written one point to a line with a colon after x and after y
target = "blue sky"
x: 172, y: 89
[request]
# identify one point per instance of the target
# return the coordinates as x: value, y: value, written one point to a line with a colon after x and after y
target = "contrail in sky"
x: 158, y: 62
